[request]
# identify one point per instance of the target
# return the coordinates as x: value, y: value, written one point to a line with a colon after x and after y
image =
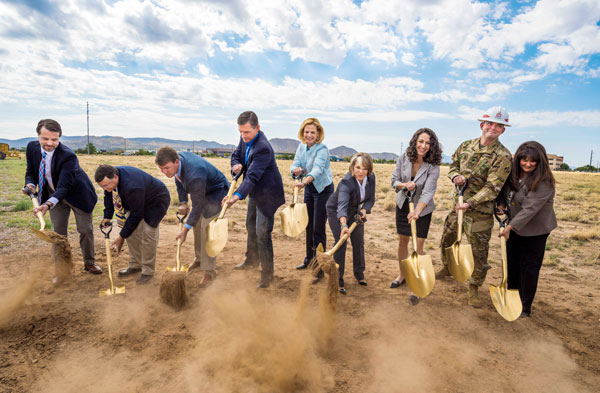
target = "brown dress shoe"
x: 193, y: 265
x: 94, y: 269
x: 206, y: 280
x: 129, y: 271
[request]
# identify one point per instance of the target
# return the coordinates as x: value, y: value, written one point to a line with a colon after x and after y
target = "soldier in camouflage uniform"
x: 486, y: 163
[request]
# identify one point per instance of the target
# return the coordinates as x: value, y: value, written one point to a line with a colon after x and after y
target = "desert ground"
x: 234, y: 338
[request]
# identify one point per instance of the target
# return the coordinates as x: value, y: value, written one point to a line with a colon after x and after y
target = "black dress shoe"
x: 396, y: 283
x: 144, y: 279
x: 413, y: 300
x: 129, y: 271
x: 316, y: 280
x: 94, y: 269
x: 245, y: 265
x: 342, y: 290
x: 302, y: 266
x: 363, y: 283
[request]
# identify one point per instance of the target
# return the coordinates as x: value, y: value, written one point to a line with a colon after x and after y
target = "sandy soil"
x: 233, y: 338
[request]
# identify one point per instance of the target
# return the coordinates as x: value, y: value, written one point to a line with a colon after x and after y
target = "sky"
x: 373, y: 72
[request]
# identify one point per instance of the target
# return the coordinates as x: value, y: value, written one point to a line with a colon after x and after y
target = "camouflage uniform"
x: 487, y: 168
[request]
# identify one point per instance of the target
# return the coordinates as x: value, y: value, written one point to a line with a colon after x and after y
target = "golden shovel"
x: 417, y: 269
x: 38, y: 232
x: 507, y: 301
x: 217, y: 231
x: 113, y: 289
x: 294, y: 218
x: 460, y: 255
x: 324, y: 260
x: 179, y: 267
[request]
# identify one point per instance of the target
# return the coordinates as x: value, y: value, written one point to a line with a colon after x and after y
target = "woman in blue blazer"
x: 417, y: 171
x: 353, y: 199
x: 311, y: 163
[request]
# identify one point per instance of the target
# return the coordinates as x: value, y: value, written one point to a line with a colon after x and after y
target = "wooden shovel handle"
x: 229, y: 194
x: 39, y: 214
x: 413, y: 225
x: 342, y: 239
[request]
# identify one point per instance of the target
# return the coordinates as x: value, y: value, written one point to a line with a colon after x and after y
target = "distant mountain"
x: 284, y: 145
x: 384, y: 156
x: 116, y: 142
x: 342, y: 151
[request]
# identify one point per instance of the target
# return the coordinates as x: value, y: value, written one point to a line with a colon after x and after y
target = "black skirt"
x: 403, y: 227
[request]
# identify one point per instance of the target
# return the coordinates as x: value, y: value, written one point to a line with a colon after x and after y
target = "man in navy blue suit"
x: 140, y: 202
x: 262, y: 183
x: 63, y: 187
x: 206, y: 186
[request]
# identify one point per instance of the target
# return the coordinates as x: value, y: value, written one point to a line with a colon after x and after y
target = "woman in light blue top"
x: 311, y: 163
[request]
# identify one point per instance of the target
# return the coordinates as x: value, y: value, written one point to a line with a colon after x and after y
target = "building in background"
x: 555, y: 161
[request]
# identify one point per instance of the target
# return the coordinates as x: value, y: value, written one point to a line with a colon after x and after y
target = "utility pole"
x: 87, y: 105
x: 591, y: 155
x: 124, y: 145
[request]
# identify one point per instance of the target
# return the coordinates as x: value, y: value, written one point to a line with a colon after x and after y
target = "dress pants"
x: 317, y: 217
x: 207, y: 264
x: 259, y: 246
x: 142, y: 245
x: 59, y: 215
x: 525, y: 255
x: 358, y: 249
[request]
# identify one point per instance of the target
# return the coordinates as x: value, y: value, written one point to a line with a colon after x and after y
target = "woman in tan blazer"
x: 529, y: 196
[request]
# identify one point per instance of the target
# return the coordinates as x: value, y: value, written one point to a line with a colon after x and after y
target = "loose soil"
x: 287, y: 338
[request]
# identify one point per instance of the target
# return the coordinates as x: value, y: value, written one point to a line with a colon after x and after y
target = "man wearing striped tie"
x: 63, y: 187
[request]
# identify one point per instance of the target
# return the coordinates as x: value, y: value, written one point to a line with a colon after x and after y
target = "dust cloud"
x: 12, y: 299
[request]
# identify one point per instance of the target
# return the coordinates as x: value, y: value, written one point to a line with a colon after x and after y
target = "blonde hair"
x: 365, y: 160
x: 314, y: 121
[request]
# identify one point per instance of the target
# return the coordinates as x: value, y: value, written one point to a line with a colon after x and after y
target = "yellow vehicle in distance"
x: 5, y: 152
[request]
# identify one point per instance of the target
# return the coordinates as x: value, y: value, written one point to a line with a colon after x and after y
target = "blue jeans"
x: 259, y: 246
x: 317, y: 217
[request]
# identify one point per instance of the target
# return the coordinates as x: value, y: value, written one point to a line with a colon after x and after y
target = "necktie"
x: 42, y: 177
x: 120, y: 212
x: 178, y: 179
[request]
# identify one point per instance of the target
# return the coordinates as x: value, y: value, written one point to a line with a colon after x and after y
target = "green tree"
x: 84, y: 150
x: 564, y: 167
x: 586, y: 168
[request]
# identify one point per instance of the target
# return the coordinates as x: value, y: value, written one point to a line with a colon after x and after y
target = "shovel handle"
x: 413, y: 225
x: 342, y: 239
x: 229, y: 194
x: 461, y: 213
x: 34, y: 200
x: 107, y: 225
x: 180, y: 218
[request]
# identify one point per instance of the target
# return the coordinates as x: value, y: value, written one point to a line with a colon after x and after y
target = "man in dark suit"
x: 63, y: 187
x: 140, y: 202
x: 262, y: 183
x: 207, y: 186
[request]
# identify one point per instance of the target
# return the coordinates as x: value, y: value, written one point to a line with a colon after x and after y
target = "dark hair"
x: 365, y: 159
x: 50, y: 125
x: 248, y: 117
x: 433, y: 156
x: 107, y: 171
x: 164, y: 155
x: 536, y: 152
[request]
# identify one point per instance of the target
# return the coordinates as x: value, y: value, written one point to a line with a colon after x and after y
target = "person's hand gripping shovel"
x: 507, y: 301
x: 113, y: 290
x: 460, y: 255
x: 217, y: 231
x: 294, y: 218
x: 34, y: 199
x: 417, y: 269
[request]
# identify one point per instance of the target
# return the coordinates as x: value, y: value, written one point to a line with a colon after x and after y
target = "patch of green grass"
x: 18, y: 222
x: 22, y: 205
x: 553, y: 260
x: 5, y: 204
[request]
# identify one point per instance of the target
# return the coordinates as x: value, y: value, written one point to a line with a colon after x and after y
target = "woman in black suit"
x: 529, y: 195
x: 354, y: 197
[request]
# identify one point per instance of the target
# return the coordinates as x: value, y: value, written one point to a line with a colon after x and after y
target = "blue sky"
x: 373, y: 71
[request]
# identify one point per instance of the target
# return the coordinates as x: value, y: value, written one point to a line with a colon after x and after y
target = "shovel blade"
x: 294, y: 219
x: 108, y: 292
x: 460, y: 261
x: 507, y: 302
x: 183, y: 268
x: 42, y: 235
x: 419, y: 274
x: 217, y: 233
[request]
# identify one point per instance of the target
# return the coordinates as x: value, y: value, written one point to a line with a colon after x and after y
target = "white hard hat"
x: 496, y: 114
